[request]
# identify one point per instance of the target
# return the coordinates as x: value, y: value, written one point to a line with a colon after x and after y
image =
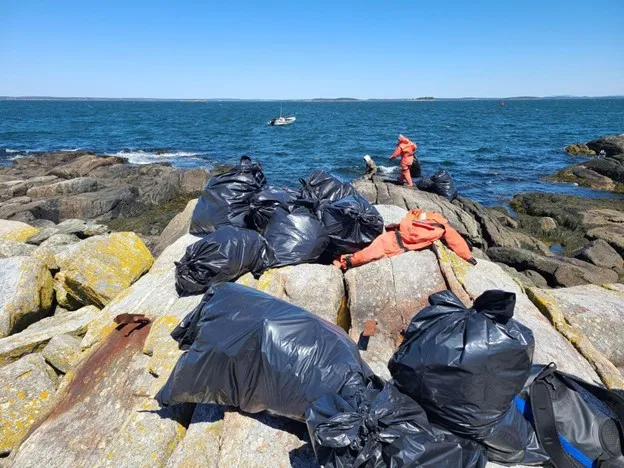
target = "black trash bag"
x: 415, y: 169
x: 465, y: 365
x: 322, y: 186
x: 256, y: 352
x: 440, y: 183
x: 381, y: 427
x: 351, y: 222
x: 296, y: 236
x: 225, y: 199
x: 264, y: 203
x: 221, y: 256
x: 513, y: 441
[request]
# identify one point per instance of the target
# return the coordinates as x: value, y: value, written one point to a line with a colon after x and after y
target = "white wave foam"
x: 389, y: 169
x: 9, y: 150
x: 147, y: 157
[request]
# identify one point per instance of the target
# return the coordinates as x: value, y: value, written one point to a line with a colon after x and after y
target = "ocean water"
x: 492, y: 152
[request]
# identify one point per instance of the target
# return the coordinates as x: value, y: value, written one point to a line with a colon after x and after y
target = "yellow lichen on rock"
x: 26, y: 293
x: 163, y: 349
x: 97, y: 269
x: 271, y: 282
x: 16, y: 231
x: 608, y: 372
x: 25, y: 389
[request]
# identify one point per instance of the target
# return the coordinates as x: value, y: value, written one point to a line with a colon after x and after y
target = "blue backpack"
x: 578, y: 424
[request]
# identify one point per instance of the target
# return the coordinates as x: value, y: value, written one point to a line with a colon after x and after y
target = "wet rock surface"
x: 558, y: 271
x: 62, y: 185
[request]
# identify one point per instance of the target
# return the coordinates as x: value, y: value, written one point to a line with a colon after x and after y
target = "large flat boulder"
x: 26, y: 293
x: 550, y: 345
x: 558, y: 271
x: 389, y: 291
x: 97, y: 269
x: 317, y: 288
x: 65, y: 187
x: 596, y: 312
x: 18, y: 188
x: 613, y: 235
x: 16, y: 231
x: 108, y: 203
x: 83, y: 165
x: 600, y: 253
x: 35, y: 337
x: 26, y: 391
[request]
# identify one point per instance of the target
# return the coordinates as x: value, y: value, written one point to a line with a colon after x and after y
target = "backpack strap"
x: 544, y: 418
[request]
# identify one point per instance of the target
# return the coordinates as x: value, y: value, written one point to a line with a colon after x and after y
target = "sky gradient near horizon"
x: 293, y: 50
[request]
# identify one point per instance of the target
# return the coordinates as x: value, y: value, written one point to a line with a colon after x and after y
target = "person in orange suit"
x: 406, y: 149
x: 417, y: 231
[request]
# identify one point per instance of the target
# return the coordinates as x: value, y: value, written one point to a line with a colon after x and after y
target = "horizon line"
x: 348, y: 99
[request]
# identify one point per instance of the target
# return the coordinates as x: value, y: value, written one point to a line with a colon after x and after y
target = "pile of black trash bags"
x: 462, y: 387
x: 247, y: 226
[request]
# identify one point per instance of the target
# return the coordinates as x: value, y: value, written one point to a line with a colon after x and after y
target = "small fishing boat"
x: 282, y: 120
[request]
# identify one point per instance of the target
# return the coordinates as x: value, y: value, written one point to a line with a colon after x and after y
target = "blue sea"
x: 492, y: 152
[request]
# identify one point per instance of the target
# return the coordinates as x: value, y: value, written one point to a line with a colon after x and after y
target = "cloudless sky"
x: 296, y: 49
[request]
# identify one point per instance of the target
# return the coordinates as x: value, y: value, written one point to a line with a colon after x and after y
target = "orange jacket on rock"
x: 417, y: 231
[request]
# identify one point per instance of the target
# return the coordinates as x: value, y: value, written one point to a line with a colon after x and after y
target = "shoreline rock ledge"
x: 62, y: 185
x: 77, y: 388
x: 605, y: 169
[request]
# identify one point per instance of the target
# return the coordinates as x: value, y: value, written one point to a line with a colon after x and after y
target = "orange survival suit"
x: 418, y: 230
x: 405, y: 148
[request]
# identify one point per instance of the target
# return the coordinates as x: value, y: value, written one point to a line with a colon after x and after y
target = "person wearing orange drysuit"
x: 417, y: 230
x: 406, y: 149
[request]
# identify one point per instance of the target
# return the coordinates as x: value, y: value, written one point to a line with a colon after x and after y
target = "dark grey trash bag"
x: 253, y: 351
x: 351, y: 222
x: 466, y: 365
x: 226, y: 198
x: 264, y: 203
x: 378, y: 427
x: 296, y: 236
x: 323, y: 186
x: 223, y: 255
x: 440, y: 183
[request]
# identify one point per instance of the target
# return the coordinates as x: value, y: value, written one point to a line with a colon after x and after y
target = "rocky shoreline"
x: 605, y: 169
x: 78, y: 387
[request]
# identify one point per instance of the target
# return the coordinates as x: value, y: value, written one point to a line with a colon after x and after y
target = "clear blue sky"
x: 292, y: 49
